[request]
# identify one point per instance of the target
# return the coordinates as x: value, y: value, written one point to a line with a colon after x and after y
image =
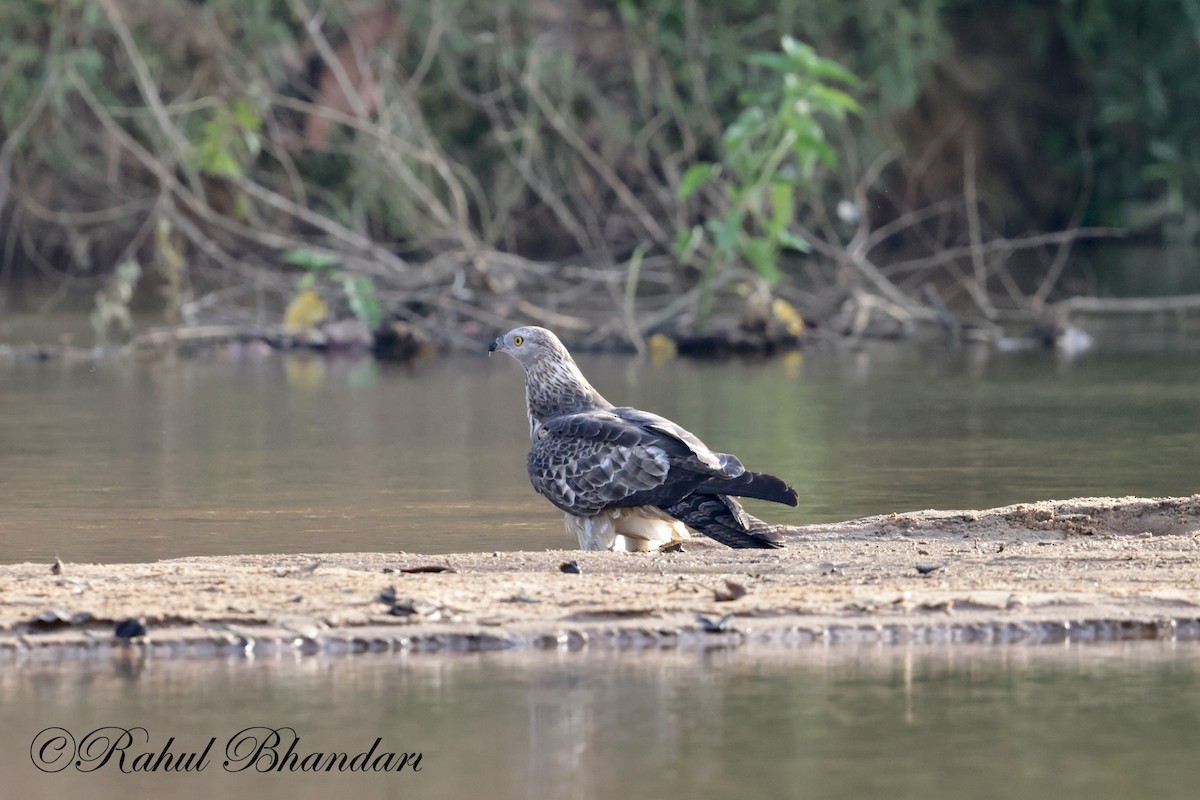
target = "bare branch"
x: 149, y: 93
x: 951, y: 254
x: 598, y: 164
x: 978, y: 287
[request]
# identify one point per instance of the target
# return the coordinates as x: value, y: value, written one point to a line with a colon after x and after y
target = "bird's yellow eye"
x: 518, y: 340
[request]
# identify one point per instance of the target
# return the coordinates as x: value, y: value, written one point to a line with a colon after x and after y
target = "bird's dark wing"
x: 723, y: 464
x: 727, y: 476
x: 723, y: 518
x: 588, y: 461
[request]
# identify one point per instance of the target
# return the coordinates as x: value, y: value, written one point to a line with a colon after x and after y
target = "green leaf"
x: 783, y: 206
x: 246, y: 115
x: 310, y: 259
x: 826, y: 153
x: 364, y: 302
x: 763, y: 257
x: 804, y: 59
x: 726, y: 233
x: 693, y: 179
x: 218, y: 162
x: 832, y: 100
x: 686, y: 242
x: 791, y: 241
x: 831, y: 70
x: 810, y: 149
x: 752, y: 199
x: 772, y: 61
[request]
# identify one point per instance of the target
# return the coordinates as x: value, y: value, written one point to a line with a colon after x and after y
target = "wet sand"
x: 1075, y: 570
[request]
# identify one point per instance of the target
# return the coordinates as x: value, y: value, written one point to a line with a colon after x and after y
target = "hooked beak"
x: 496, y: 345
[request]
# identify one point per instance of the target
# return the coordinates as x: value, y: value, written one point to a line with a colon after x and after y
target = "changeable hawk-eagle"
x: 629, y: 479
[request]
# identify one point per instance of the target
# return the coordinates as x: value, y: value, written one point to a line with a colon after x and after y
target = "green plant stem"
x: 704, y: 304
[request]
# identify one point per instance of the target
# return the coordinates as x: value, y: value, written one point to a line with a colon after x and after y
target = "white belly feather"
x: 638, y: 529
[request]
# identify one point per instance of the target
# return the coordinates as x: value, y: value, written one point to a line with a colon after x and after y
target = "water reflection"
x: 1096, y: 722
x: 253, y: 453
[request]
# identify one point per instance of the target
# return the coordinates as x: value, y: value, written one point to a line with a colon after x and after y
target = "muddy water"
x: 1096, y: 722
x: 252, y: 453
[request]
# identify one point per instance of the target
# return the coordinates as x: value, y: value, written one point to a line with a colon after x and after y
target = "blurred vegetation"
x: 464, y: 163
x: 771, y: 153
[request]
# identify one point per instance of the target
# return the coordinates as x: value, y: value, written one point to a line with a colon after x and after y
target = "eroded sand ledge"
x: 1077, y: 570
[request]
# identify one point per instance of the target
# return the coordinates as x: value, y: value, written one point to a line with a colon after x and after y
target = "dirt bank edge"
x: 1087, y: 569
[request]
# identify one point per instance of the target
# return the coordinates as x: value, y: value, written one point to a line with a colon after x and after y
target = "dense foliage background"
x: 463, y: 158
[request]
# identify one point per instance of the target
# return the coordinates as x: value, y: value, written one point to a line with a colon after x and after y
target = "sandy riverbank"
x: 1085, y: 569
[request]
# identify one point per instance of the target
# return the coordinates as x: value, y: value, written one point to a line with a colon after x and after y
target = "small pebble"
x: 732, y: 591
x: 129, y: 628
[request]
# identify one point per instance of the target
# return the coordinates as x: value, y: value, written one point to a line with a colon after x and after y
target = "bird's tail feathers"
x: 757, y: 485
x: 723, y: 518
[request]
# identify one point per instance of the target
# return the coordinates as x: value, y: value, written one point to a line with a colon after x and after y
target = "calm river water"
x: 1097, y: 722
x: 126, y: 461
x: 123, y: 461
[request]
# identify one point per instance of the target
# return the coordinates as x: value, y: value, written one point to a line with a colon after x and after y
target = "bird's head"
x: 530, y: 345
x: 553, y: 383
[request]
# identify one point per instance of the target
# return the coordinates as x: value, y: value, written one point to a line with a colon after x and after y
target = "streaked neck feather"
x: 556, y: 387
